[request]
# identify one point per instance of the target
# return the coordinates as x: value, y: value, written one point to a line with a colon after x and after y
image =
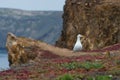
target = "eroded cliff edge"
x: 98, y: 20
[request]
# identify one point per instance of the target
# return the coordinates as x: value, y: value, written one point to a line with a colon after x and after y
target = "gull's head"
x: 79, y: 35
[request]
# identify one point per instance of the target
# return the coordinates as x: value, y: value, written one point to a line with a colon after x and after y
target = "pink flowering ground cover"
x: 53, y: 67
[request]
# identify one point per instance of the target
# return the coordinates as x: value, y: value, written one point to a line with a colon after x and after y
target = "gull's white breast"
x: 77, y: 46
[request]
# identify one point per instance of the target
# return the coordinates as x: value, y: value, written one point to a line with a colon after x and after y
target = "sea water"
x: 4, y: 64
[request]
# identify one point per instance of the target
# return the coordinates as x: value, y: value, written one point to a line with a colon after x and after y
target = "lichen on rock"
x: 20, y: 50
x: 98, y: 20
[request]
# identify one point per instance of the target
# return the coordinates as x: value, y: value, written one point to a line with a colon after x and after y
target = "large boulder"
x: 97, y: 20
x: 20, y: 50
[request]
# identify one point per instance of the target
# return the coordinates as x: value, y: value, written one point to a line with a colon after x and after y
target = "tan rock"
x: 98, y: 20
x: 20, y: 50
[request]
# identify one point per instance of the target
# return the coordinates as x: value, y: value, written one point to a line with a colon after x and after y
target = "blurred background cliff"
x: 41, y: 25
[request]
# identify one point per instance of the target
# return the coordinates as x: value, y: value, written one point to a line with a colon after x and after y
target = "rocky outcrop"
x: 97, y: 20
x: 23, y: 50
x: 20, y: 50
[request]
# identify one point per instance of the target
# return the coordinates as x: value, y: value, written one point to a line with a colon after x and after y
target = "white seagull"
x: 78, y: 45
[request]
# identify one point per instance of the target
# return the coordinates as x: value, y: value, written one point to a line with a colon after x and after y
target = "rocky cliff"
x: 41, y: 25
x: 97, y: 20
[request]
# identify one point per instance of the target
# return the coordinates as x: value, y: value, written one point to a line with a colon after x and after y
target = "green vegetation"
x: 66, y: 77
x: 87, y: 65
x: 91, y: 65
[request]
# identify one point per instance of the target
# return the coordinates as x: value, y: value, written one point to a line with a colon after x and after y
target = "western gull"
x: 78, y: 44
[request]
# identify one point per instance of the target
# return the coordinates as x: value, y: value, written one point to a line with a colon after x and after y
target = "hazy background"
x: 42, y: 22
x: 41, y: 17
x: 33, y: 4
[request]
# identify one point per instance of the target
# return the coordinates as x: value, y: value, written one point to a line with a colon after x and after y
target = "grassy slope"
x: 80, y: 66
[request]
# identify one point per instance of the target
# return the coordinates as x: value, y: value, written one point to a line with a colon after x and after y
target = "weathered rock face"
x: 23, y: 50
x: 98, y: 20
x: 20, y: 49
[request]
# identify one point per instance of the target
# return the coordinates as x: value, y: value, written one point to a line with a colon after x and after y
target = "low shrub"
x: 66, y: 77
x: 86, y: 65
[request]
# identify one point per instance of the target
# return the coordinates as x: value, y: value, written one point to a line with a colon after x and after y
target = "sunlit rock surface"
x: 20, y: 50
